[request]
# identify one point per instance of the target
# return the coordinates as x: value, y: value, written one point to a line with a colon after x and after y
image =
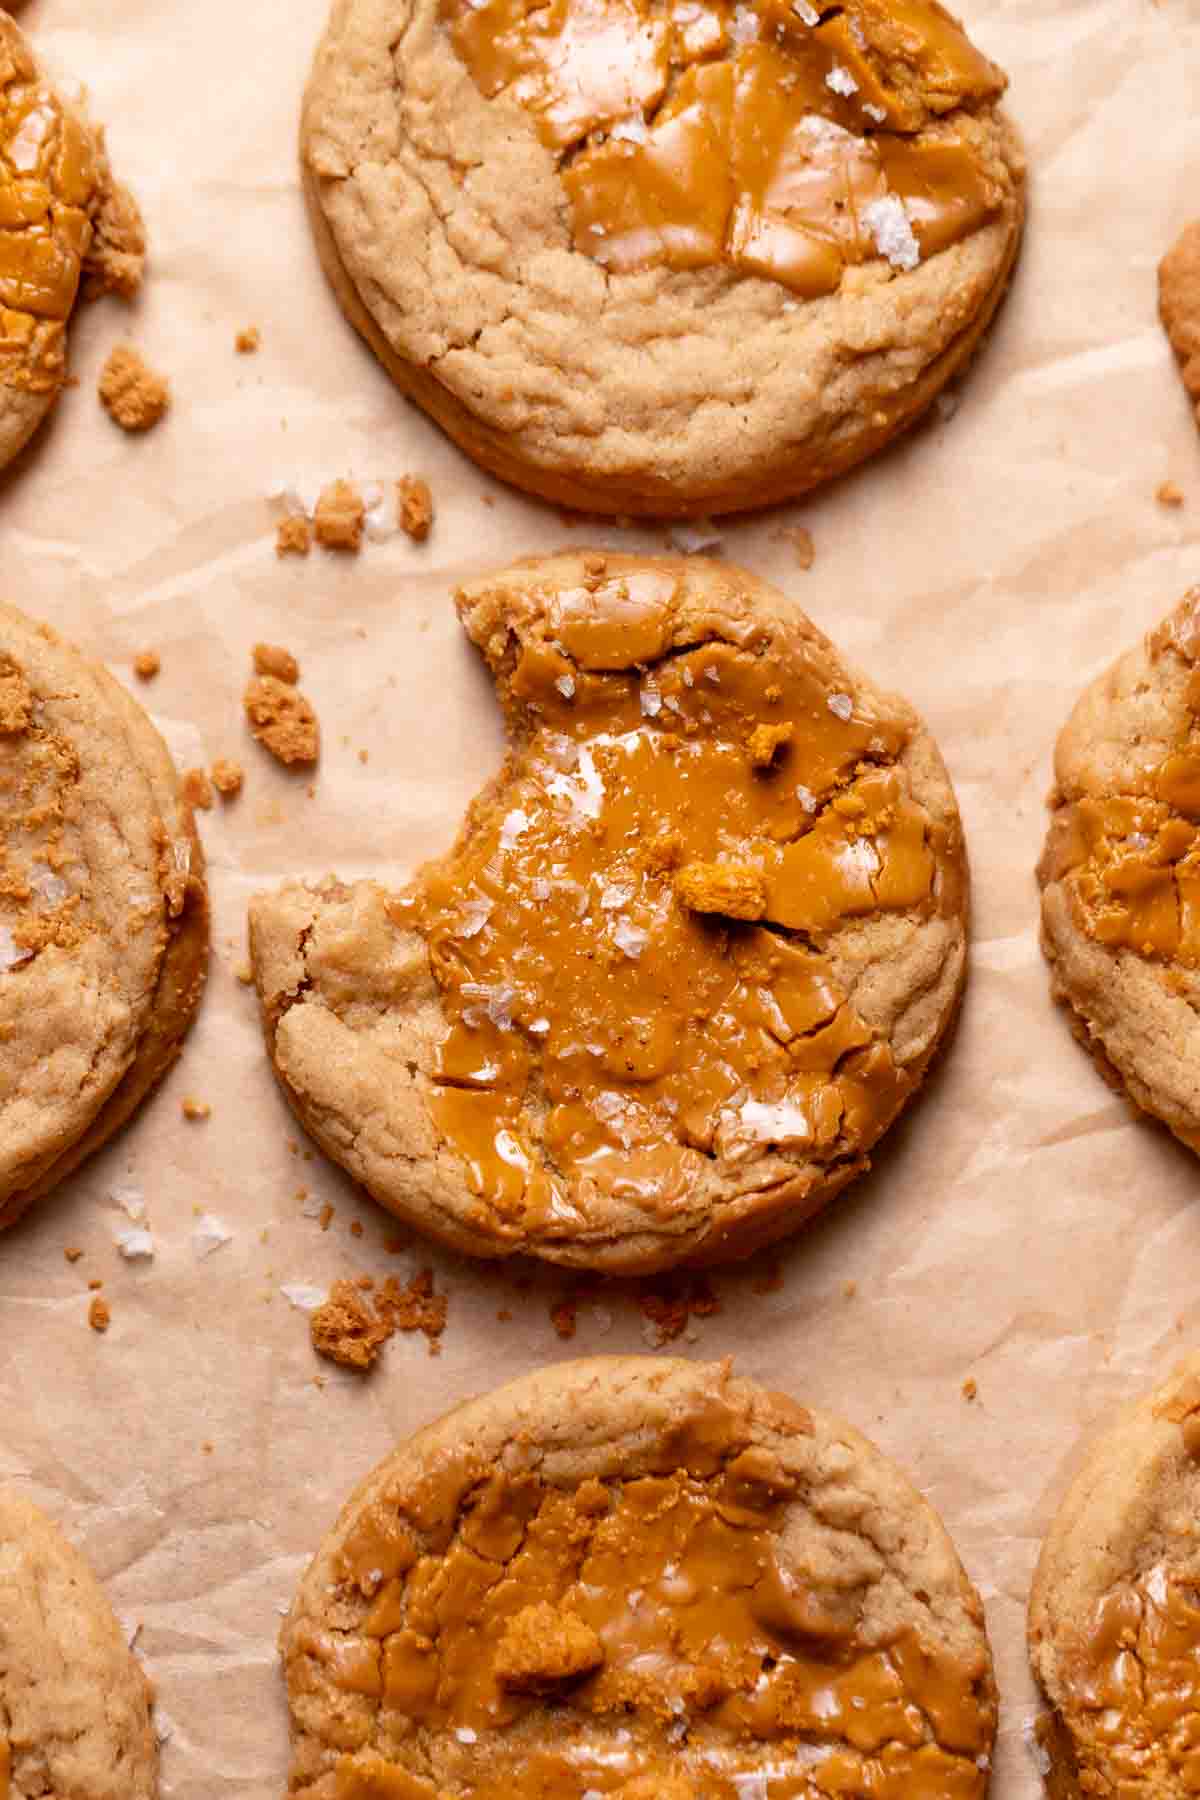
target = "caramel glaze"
x: 47, y: 181
x: 1135, y: 1689
x: 643, y: 1637
x: 629, y: 947
x: 698, y: 132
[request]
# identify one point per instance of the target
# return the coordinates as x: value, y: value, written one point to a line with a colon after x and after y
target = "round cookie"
x: 626, y: 1576
x: 67, y: 223
x: 691, y: 954
x: 1114, y: 1615
x: 103, y: 909
x: 74, y: 1705
x: 1120, y: 872
x: 666, y: 259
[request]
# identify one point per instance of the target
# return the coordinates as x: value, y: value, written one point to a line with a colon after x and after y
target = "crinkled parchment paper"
x: 1019, y: 1228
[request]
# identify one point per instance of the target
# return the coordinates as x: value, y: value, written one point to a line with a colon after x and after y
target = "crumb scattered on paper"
x: 293, y: 536
x: 72, y: 1253
x: 273, y: 659
x: 132, y: 394
x: 282, y: 720
x: 970, y: 1388
x: 146, y: 664
x: 414, y: 507
x: 669, y: 1306
x: 99, y: 1314
x: 1169, y: 493
x: 227, y: 777
x: 247, y: 340
x: 195, y: 1109
x: 197, y: 789
x: 357, y: 1319
x: 340, y: 516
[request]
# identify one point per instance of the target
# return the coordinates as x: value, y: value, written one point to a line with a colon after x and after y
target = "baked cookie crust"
x: 444, y: 226
x: 637, y: 1577
x: 694, y: 949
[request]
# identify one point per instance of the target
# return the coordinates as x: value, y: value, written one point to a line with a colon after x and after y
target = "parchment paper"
x: 1019, y: 1228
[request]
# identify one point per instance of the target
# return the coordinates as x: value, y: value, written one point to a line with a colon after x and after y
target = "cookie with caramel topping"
x: 67, y: 228
x: 1120, y: 872
x: 1114, y: 1614
x: 663, y: 256
x: 74, y: 1705
x: 103, y: 909
x: 665, y: 993
x: 637, y: 1578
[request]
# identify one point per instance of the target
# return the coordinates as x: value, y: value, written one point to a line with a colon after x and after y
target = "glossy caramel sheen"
x: 701, y: 132
x: 47, y: 181
x: 1138, y: 1684
x: 645, y: 1638
x: 629, y: 945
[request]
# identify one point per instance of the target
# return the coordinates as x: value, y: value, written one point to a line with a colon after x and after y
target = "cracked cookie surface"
x: 634, y: 1577
x: 1120, y: 872
x: 1114, y: 1613
x: 74, y: 1705
x: 691, y: 954
x: 103, y: 909
x: 65, y: 227
x: 668, y: 258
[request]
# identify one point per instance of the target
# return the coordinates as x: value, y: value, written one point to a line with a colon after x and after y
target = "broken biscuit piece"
x: 293, y: 536
x: 132, y: 394
x: 543, y: 1646
x: 282, y: 720
x: 340, y: 517
x: 273, y: 659
x: 766, y: 741
x: 737, y: 889
x: 414, y: 507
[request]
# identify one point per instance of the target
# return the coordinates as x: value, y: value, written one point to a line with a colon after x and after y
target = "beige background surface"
x: 1018, y: 1229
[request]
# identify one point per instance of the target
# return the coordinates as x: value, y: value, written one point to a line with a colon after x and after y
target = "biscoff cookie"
x: 74, y: 1706
x: 691, y: 954
x: 625, y: 1576
x: 1179, y: 305
x: 1114, y: 1614
x: 67, y: 225
x: 662, y: 256
x: 1120, y: 872
x: 103, y: 909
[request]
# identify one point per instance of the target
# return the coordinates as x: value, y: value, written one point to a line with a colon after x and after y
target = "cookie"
x: 1114, y: 1615
x: 68, y: 226
x: 1120, y: 872
x: 1179, y: 305
x: 691, y: 954
x: 674, y: 260
x: 626, y: 1576
x: 74, y: 1706
x: 103, y: 909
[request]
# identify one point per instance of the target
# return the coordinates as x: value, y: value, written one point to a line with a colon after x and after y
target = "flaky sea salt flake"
x: 12, y: 954
x: 209, y: 1234
x: 878, y: 113
x: 700, y: 534
x: 891, y: 231
x: 565, y: 685
x: 841, y: 706
x: 803, y: 10
x: 629, y: 937
x: 302, y: 1296
x: 135, y: 1243
x: 840, y: 81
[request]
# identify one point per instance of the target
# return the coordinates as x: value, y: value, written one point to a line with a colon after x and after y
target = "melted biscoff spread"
x: 1131, y: 862
x: 629, y: 942
x: 642, y: 1637
x: 48, y: 180
x: 782, y: 141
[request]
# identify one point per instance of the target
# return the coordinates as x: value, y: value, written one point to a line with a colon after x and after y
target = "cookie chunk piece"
x: 642, y: 1578
x: 1120, y: 872
x: 134, y: 395
x: 662, y: 997
x: 700, y: 262
x: 74, y: 1705
x: 103, y: 909
x: 1114, y: 1618
x: 69, y: 228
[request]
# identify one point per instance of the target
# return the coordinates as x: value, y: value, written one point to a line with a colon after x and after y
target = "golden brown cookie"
x: 691, y: 954
x: 68, y: 226
x: 670, y: 259
x: 74, y: 1706
x: 103, y: 909
x: 1179, y: 304
x: 1120, y: 872
x: 638, y: 1578
x: 1114, y: 1615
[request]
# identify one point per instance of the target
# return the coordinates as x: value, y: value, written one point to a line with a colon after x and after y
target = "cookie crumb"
x: 356, y: 1228
x: 326, y: 1216
x: 542, y: 1646
x: 293, y: 536
x: 345, y: 1329
x: 849, y: 1289
x: 669, y: 1307
x: 282, y: 720
x: 339, y: 517
x: 1168, y: 493
x: 99, y: 1314
x: 800, y: 538
x: 195, y: 1109
x: 970, y: 1388
x: 227, y: 777
x: 563, y: 1317
x: 72, y: 1253
x: 363, y: 756
x: 146, y: 665
x: 197, y: 789
x: 765, y: 743
x: 737, y: 889
x: 273, y: 659
x: 247, y: 340
x: 414, y: 507
x: 130, y: 391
